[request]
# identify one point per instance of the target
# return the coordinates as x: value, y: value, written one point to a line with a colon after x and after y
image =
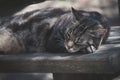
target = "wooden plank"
x: 105, y: 61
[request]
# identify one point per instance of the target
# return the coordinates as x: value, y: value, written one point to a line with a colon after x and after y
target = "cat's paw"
x: 91, y: 49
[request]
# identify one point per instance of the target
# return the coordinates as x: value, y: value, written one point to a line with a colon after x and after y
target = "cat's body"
x: 46, y: 31
x: 27, y: 32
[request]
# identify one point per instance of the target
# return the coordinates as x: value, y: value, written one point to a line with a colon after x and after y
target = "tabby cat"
x: 78, y: 31
x: 53, y: 30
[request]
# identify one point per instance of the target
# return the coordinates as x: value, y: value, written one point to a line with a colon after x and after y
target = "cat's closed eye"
x: 92, y: 33
x: 78, y: 41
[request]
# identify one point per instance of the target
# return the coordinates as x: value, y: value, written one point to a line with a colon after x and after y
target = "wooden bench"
x: 102, y: 65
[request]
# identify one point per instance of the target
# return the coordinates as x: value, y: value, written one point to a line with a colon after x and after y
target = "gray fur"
x: 46, y: 31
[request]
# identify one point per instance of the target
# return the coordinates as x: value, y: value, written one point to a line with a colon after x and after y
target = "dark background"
x: 11, y: 6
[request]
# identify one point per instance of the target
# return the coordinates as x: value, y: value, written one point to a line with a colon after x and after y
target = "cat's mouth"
x: 89, y: 48
x: 70, y: 47
x: 72, y: 50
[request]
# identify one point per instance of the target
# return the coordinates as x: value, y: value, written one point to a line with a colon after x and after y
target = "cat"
x: 53, y: 30
x: 80, y: 31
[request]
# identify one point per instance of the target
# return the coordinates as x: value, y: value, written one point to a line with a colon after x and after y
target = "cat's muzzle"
x: 72, y: 48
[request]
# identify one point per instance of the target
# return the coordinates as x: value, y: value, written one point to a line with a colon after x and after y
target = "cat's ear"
x: 76, y: 14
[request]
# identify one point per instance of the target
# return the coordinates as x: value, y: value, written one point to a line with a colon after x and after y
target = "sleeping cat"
x: 80, y: 31
x: 53, y: 30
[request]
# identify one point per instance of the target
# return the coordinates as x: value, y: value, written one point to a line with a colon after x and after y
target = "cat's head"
x: 87, y: 31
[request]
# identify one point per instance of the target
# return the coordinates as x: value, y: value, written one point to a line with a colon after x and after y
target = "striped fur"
x: 78, y: 31
x: 52, y: 30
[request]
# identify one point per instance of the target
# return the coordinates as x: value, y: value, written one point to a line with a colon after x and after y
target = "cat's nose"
x: 70, y: 44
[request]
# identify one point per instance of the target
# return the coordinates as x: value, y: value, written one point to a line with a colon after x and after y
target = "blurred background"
x: 109, y: 8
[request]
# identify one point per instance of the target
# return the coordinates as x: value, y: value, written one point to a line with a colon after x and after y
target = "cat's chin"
x: 90, y: 49
x: 72, y: 50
